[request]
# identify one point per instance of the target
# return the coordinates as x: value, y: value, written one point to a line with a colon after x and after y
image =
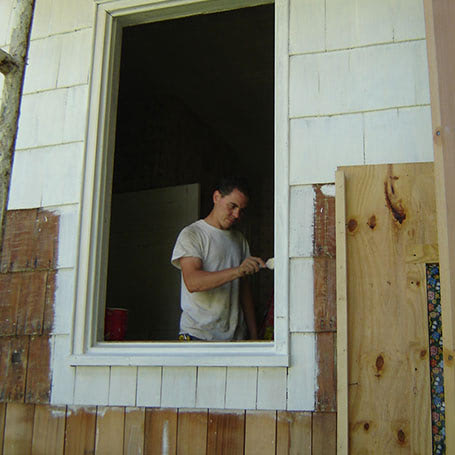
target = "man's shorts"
x: 188, y: 337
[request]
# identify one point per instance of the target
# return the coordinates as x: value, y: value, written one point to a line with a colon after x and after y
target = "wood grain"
x: 110, y: 422
x: 293, y: 433
x: 133, y: 442
x: 192, y: 432
x: 324, y: 433
x: 388, y: 208
x: 160, y: 431
x: 260, y: 432
x: 49, y: 430
x: 18, y: 429
x: 226, y: 433
x: 439, y: 19
x: 80, y: 430
x: 38, y: 385
x: 13, y: 367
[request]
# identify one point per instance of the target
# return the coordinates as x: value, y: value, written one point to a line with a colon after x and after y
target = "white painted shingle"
x: 178, y: 387
x: 43, y: 64
x: 91, y: 385
x: 63, y: 375
x: 148, y: 386
x: 302, y: 372
x: 64, y: 301
x: 364, y: 22
x: 399, y: 136
x: 211, y: 387
x: 5, y: 19
x: 61, y: 16
x: 301, y: 221
x: 306, y: 26
x: 318, y: 145
x: 122, y: 386
x: 356, y: 80
x: 53, y: 117
x: 241, y: 388
x: 301, y: 314
x: 271, y: 388
x: 75, y: 58
x: 46, y: 176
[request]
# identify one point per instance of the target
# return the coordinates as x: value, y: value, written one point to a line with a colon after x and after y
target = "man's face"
x: 228, y: 209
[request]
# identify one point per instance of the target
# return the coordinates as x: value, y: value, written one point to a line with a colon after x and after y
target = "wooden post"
x: 439, y: 20
x: 12, y: 66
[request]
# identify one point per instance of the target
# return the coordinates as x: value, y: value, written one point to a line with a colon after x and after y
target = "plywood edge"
x: 342, y: 315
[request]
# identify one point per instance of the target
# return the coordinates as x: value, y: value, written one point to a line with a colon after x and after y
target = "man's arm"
x: 196, y: 279
x: 246, y: 299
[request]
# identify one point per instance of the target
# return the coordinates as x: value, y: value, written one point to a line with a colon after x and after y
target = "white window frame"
x: 111, y: 17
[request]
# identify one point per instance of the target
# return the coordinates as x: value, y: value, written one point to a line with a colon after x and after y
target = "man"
x: 215, y: 259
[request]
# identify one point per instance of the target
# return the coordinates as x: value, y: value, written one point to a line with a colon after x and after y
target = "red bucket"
x: 115, y: 324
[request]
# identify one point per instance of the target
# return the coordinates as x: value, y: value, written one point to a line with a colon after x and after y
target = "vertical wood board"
x: 226, y: 433
x: 388, y: 208
x: 48, y: 430
x: 324, y: 434
x: 133, y: 441
x: 192, y: 432
x: 18, y: 429
x: 260, y: 432
x: 160, y: 431
x: 439, y: 19
x: 110, y: 423
x: 294, y: 433
x: 80, y: 430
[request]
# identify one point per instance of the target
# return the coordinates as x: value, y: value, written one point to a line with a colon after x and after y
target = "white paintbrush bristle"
x: 270, y: 263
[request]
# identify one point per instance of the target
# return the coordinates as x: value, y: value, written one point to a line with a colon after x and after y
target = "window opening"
x: 196, y: 103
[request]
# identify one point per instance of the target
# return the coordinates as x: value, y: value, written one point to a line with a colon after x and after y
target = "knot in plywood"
x: 393, y: 202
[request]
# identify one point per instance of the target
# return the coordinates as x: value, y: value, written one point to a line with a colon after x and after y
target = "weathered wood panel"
x: 439, y: 19
x: 160, y: 431
x: 18, y: 429
x: 293, y: 433
x: 192, y: 432
x: 48, y: 430
x: 388, y: 208
x: 80, y: 430
x: 38, y: 385
x: 133, y: 442
x: 324, y: 433
x: 260, y: 432
x: 226, y: 433
x: 110, y: 423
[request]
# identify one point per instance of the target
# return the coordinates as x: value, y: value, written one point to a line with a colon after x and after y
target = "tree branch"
x: 7, y: 62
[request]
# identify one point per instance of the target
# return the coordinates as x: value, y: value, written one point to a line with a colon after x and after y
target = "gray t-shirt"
x: 214, y: 314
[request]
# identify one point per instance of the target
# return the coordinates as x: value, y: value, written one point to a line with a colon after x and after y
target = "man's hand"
x: 251, y: 265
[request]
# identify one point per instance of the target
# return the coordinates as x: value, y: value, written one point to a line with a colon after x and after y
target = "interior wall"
x: 196, y: 104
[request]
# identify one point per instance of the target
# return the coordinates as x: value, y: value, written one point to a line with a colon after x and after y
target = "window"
x: 172, y: 101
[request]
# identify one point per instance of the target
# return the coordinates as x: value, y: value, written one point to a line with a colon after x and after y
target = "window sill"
x: 241, y: 354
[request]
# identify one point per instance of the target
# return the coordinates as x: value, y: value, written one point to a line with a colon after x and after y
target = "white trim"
x: 110, y: 18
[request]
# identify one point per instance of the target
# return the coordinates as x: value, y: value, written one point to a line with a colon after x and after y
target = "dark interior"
x: 196, y: 103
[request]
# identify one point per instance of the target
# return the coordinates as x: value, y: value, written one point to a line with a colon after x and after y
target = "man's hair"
x: 228, y: 184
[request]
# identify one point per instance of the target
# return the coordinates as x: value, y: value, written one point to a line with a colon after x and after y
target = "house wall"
x: 358, y: 94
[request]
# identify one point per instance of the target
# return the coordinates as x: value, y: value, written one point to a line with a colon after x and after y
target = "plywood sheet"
x: 388, y: 208
x: 49, y: 430
x: 160, y: 431
x: 293, y: 433
x: 226, y: 433
x: 192, y: 432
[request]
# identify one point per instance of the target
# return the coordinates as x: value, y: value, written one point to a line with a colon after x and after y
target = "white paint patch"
x: 58, y: 412
x: 328, y: 190
x: 165, y: 439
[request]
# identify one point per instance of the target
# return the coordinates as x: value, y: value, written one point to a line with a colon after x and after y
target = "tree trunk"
x: 11, y: 96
